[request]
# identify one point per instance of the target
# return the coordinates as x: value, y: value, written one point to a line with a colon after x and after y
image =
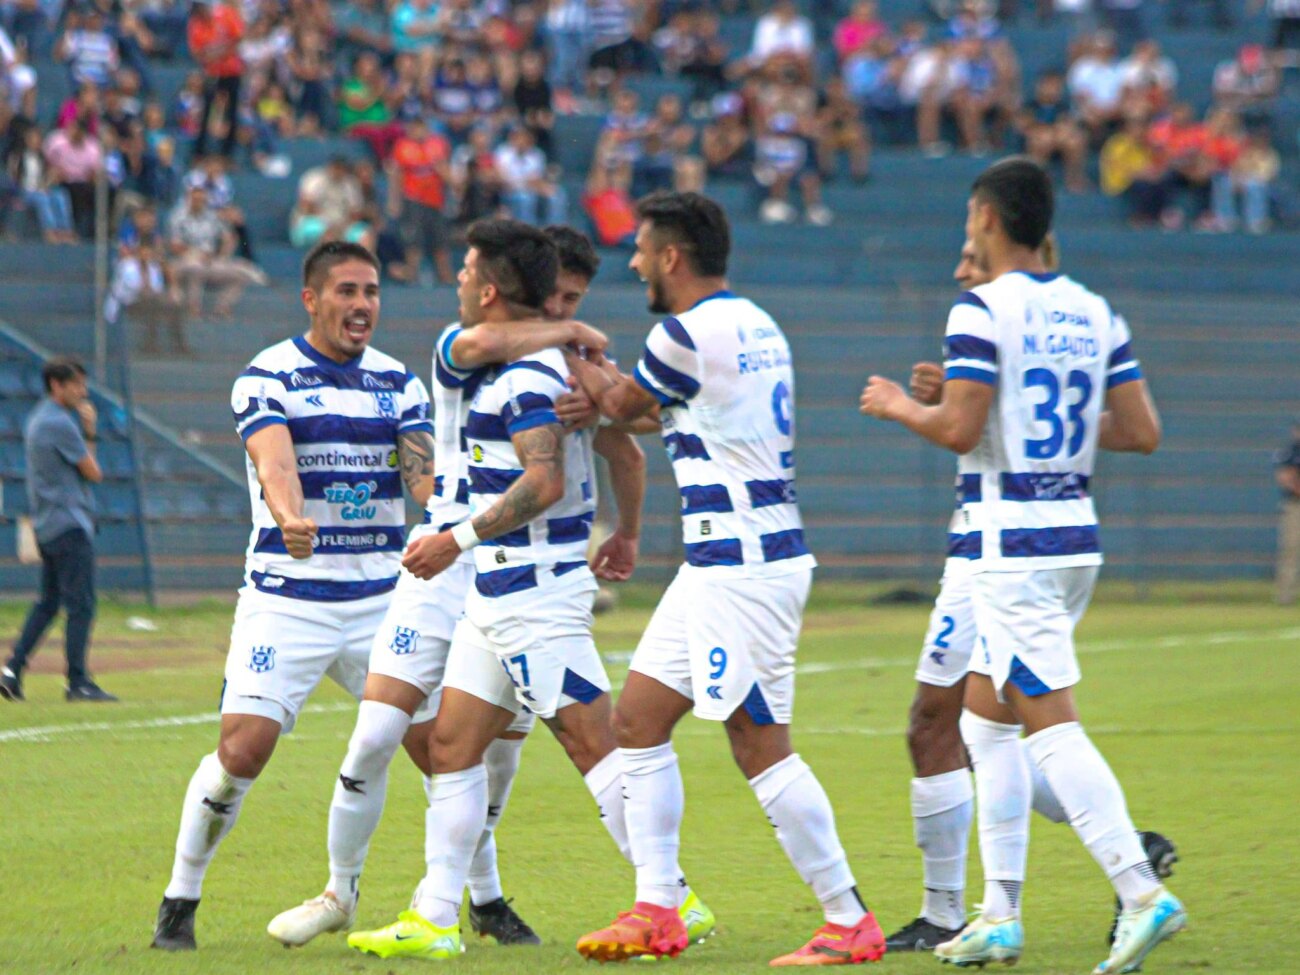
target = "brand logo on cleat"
x: 404, y: 937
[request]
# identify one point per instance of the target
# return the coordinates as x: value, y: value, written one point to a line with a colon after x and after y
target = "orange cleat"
x: 834, y: 944
x: 646, y: 930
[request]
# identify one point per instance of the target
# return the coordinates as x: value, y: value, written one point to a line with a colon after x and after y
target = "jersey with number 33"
x: 724, y: 378
x: 1052, y: 349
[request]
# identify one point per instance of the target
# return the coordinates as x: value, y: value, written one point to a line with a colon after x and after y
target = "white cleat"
x: 1140, y: 930
x: 320, y: 915
x: 982, y: 941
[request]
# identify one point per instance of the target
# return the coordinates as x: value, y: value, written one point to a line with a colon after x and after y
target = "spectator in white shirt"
x: 782, y: 35
x: 141, y: 288
x: 1149, y: 79
x: 88, y: 48
x: 526, y: 189
x: 1096, y: 86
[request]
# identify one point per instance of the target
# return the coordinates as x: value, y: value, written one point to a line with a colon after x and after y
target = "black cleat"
x: 920, y: 935
x: 1162, y: 854
x: 175, y: 928
x: 497, y: 919
x: 89, y: 691
x: 11, y: 685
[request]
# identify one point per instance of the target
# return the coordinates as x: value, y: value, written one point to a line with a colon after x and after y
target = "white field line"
x: 46, y: 732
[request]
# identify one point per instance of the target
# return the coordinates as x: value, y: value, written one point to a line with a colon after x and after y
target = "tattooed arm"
x: 415, y: 458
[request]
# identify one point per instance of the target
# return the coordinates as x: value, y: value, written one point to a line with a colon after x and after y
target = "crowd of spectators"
x: 454, y: 104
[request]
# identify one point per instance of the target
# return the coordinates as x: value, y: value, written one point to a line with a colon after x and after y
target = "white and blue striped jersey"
x: 452, y: 392
x: 510, y: 400
x: 1052, y: 348
x: 344, y: 419
x: 724, y: 378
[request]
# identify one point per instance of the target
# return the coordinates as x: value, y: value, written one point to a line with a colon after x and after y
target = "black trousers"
x: 67, y: 580
x: 211, y: 88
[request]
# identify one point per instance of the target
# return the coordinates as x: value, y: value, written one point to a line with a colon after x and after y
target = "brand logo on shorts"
x: 715, y: 691
x: 261, y: 659
x: 937, y: 657
x: 404, y: 640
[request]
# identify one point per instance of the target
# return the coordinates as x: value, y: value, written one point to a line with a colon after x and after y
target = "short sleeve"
x: 413, y: 406
x: 670, y: 364
x: 970, y: 347
x: 1122, y: 367
x: 530, y: 389
x: 445, y: 371
x: 66, y: 439
x: 257, y: 401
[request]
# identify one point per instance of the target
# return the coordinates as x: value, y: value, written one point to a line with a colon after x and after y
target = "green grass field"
x: 1191, y: 697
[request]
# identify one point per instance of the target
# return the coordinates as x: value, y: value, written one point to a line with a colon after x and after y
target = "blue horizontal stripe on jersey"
x: 975, y: 375
x: 517, y: 407
x: 536, y: 418
x: 260, y: 404
x: 504, y: 582
x: 967, y: 546
x: 1028, y: 543
x: 756, y: 706
x: 462, y: 489
x: 763, y: 494
x: 486, y: 426
x: 562, y: 531
x: 333, y: 428
x: 646, y: 383
x: 1044, y: 486
x: 491, y: 480
x: 969, y: 489
x: 970, y: 347
x: 671, y: 379
x: 420, y: 411
x: 788, y: 544
x: 336, y: 377
x: 1120, y: 355
x: 724, y: 551
x: 1124, y: 376
x: 534, y: 366
x: 387, y: 485
x: 677, y: 332
x: 685, y: 446
x: 321, y: 590
x: 700, y: 498
x: 972, y: 299
x: 269, y: 420
x: 564, y: 568
x: 519, y: 538
x: 579, y: 688
x: 339, y: 540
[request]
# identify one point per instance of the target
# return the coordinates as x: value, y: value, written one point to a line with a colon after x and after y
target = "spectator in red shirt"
x: 419, y: 172
x: 214, y: 32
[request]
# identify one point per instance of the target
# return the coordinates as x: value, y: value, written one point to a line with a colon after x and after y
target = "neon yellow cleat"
x: 697, y: 917
x: 411, y: 936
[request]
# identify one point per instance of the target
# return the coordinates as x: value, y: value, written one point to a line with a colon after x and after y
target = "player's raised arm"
x: 496, y: 342
x: 271, y: 450
x: 615, y: 560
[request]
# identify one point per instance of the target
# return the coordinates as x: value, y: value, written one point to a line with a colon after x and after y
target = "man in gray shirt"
x: 60, y: 446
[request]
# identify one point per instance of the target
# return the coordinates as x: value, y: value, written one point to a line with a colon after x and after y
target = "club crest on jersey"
x: 261, y: 659
x: 386, y: 405
x: 300, y: 380
x: 404, y: 640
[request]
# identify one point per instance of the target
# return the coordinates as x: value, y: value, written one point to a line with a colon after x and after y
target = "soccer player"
x: 718, y: 372
x: 409, y: 652
x: 942, y: 798
x: 1032, y: 359
x: 525, y: 640
x: 333, y: 429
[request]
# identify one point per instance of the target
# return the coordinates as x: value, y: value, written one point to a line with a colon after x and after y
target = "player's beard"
x: 658, y: 300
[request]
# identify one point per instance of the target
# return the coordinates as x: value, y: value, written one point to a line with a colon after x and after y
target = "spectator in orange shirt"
x: 214, y: 32
x: 419, y: 172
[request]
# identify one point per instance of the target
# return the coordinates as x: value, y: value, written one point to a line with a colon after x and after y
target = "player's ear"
x: 309, y: 300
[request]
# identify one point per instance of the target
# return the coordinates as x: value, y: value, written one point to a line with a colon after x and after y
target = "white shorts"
x: 727, y: 642
x: 280, y: 648
x: 534, y: 659
x: 1026, y: 625
x: 412, y: 641
x: 946, y: 653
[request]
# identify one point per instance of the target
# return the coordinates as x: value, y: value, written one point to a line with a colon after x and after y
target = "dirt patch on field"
x: 118, y: 654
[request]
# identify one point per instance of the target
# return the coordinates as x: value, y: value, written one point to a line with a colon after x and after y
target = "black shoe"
x: 1162, y: 854
x: 920, y: 935
x: 89, y: 691
x: 11, y: 685
x: 497, y: 919
x: 175, y: 928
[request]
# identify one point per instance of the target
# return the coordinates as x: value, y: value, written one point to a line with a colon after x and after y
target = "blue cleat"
x: 1140, y: 930
x: 982, y: 941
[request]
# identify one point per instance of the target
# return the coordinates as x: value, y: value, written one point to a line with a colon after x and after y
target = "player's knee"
x: 416, y: 743
x: 450, y: 752
x: 245, y: 756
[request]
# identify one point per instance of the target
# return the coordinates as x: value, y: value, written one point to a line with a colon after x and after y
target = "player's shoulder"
x: 282, y: 358
x: 372, y: 360
x: 718, y: 314
x: 547, y: 362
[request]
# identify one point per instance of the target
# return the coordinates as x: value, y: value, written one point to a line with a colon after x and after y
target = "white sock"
x: 605, y: 783
x: 1092, y: 797
x: 1002, y: 785
x: 211, y: 807
x: 1044, y: 802
x: 502, y: 761
x: 653, y: 801
x: 797, y: 806
x: 942, y: 808
x: 452, y: 828
x: 359, y: 793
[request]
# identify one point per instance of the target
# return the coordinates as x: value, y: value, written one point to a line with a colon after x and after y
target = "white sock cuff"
x: 605, y: 773
x: 448, y: 784
x: 775, y: 779
x: 936, y: 794
x: 1042, y: 742
x: 381, y: 715
x: 982, y: 730
x: 221, y: 779
x: 429, y: 781
x: 647, y: 761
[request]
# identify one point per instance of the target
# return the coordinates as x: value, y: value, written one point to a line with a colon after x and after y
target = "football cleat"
x: 982, y: 941
x: 320, y: 915
x: 646, y: 930
x: 11, y: 685
x: 1162, y: 854
x: 498, y: 920
x: 920, y: 935
x: 835, y: 944
x: 174, y: 930
x: 1141, y: 929
x: 410, y: 936
x: 697, y: 917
